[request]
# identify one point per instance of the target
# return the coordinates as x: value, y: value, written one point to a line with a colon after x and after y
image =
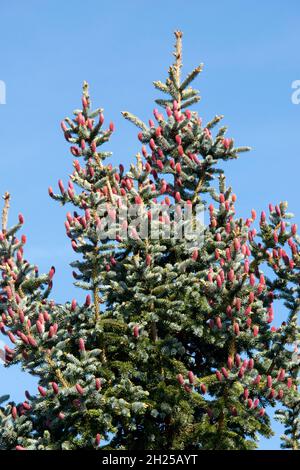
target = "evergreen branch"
x: 135, y: 120
x: 214, y: 121
x: 164, y: 103
x: 191, y: 76
x: 161, y: 86
x: 190, y: 102
x: 6, y: 198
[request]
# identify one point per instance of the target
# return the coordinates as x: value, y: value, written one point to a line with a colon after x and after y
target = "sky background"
x: 47, y: 48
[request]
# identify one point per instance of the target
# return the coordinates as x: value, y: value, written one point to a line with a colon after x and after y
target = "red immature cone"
x: 255, y: 330
x: 50, y: 191
x: 236, y: 328
x: 249, y: 403
x: 61, y: 186
x: 79, y: 389
x: 195, y: 255
x: 294, y: 229
x: 88, y: 300
x: 263, y: 217
x: 280, y: 394
x: 261, y: 411
x: 219, y: 375
x: 248, y: 310
x: 221, y: 198
x: 271, y: 394
x: 21, y: 219
x: 226, y: 143
x: 14, y: 412
x: 98, y: 384
x: 136, y: 331
x: 21, y: 316
x: 178, y: 139
x: 229, y: 362
x: 73, y: 305
x: 23, y: 239
x: 180, y: 379
x: 246, y: 393
x: 51, y: 272
x: 177, y: 197
x: 237, y: 360
x: 281, y: 375
x: 203, y: 388
x: 63, y: 126
x: 11, y: 337
x: 160, y: 165
x: 191, y: 377
x: 61, y: 415
x: 42, y: 391
x: 152, y: 144
x: 97, y: 440
x: 32, y: 341
x: 289, y: 382
x: 46, y: 316
x: 257, y: 380
x: 224, y: 372
x: 256, y: 403
x: 40, y: 327
x: 180, y: 150
x: 81, y: 345
x: 26, y: 406
x: 219, y: 281
x: 148, y: 260
x: 251, y: 364
x: 187, y: 388
x: 55, y: 388
x: 76, y: 165
x: 269, y: 381
x: 178, y: 168
x: 80, y: 119
x: 128, y: 184
x: 111, y: 126
x: 20, y: 448
x: 229, y: 311
x: 252, y: 279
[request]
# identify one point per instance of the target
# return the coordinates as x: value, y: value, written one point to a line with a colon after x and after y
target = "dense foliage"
x: 174, y: 347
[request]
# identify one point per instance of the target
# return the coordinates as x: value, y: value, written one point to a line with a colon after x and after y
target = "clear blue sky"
x: 47, y: 48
